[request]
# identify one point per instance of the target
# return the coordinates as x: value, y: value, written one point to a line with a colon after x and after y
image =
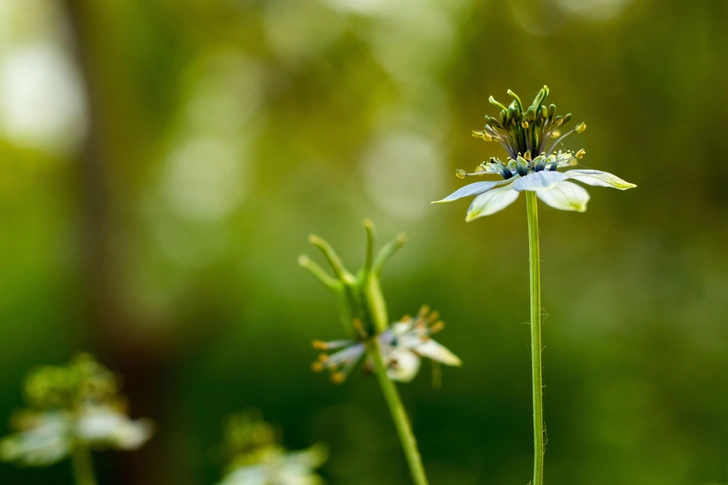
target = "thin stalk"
x: 534, y: 254
x: 399, y: 416
x: 83, y: 468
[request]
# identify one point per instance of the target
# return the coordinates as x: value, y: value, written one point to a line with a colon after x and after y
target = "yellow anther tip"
x: 338, y: 377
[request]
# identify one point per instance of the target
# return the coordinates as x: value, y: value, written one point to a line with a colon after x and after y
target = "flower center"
x: 523, y: 133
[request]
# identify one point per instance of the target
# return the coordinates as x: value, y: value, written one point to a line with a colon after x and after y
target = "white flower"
x: 273, y: 466
x: 526, y: 133
x: 48, y: 437
x: 403, y: 344
x: 406, y: 342
x: 552, y: 187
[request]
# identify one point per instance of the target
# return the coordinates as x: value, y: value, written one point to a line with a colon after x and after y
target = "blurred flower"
x: 258, y: 459
x: 276, y: 467
x: 403, y: 343
x: 72, y: 406
x: 532, y: 163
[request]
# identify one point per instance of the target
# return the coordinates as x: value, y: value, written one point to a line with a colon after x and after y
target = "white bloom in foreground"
x: 525, y: 133
x: 48, y: 437
x: 274, y: 466
x: 403, y: 343
x: 71, y: 407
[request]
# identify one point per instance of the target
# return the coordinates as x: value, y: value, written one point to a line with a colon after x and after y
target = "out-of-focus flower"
x: 257, y: 458
x: 532, y: 163
x: 403, y: 343
x: 73, y: 406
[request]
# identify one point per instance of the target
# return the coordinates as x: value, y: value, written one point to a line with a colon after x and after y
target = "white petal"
x: 539, y: 180
x: 435, y: 351
x: 249, y: 475
x: 469, y: 190
x: 402, y: 365
x: 46, y: 443
x: 102, y: 426
x: 491, y: 202
x: 599, y: 178
x: 566, y: 196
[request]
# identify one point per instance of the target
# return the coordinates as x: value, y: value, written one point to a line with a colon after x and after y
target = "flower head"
x: 404, y: 343
x: 531, y: 135
x: 257, y: 458
x: 75, y: 405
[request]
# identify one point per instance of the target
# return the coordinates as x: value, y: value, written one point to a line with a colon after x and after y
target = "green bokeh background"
x: 162, y: 163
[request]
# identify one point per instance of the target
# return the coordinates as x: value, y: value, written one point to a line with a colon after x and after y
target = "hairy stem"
x: 534, y: 253
x: 83, y: 468
x: 399, y: 415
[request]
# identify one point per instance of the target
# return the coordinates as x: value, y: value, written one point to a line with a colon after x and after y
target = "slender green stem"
x: 534, y: 253
x: 83, y: 468
x: 401, y: 422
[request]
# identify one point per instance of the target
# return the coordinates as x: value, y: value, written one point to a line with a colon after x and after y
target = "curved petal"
x: 543, y: 180
x: 599, y: 178
x: 471, y: 189
x: 491, y: 202
x: 566, y: 196
x: 435, y: 351
x: 402, y: 365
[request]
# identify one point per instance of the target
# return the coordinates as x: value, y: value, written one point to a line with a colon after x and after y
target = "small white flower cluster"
x: 257, y: 458
x: 72, y: 406
x: 403, y: 345
x: 275, y: 466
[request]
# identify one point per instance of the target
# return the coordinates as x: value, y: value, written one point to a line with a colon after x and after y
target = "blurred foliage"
x: 163, y: 162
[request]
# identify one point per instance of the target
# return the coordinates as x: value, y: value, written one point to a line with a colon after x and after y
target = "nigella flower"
x: 257, y: 458
x: 71, y: 406
x: 275, y: 466
x: 403, y: 343
x: 532, y: 163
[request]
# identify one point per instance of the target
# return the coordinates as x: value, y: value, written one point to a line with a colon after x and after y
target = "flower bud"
x: 580, y: 127
x: 552, y: 110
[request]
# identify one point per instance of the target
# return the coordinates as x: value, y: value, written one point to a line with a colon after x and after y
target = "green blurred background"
x: 163, y: 161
